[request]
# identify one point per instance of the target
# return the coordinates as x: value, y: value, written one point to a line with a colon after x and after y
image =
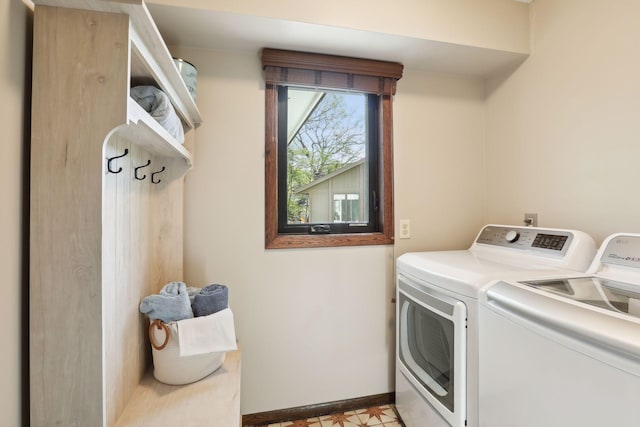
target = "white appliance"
x: 437, y: 337
x: 564, y: 351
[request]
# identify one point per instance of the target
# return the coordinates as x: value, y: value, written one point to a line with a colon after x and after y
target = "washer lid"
x: 618, y: 297
x: 609, y: 336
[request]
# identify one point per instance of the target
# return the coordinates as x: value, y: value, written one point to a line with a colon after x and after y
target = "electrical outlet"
x: 531, y: 219
x: 405, y: 229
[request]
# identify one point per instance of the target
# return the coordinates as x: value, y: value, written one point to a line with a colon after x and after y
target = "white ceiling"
x: 217, y: 30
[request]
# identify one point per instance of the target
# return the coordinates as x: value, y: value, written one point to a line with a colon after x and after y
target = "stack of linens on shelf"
x: 158, y: 105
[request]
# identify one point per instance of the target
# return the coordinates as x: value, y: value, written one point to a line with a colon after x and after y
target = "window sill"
x: 292, y: 241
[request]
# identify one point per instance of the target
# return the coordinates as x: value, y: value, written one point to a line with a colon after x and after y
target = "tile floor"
x: 379, y: 416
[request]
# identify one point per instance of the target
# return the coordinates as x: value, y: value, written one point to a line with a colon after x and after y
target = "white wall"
x: 439, y: 160
x: 493, y: 24
x: 13, y: 28
x: 563, y: 131
x: 317, y: 325
x: 298, y: 313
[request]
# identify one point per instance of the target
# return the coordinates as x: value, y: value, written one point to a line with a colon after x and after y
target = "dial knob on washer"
x: 512, y: 236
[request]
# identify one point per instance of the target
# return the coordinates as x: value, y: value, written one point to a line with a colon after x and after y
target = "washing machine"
x: 564, y: 351
x: 437, y: 314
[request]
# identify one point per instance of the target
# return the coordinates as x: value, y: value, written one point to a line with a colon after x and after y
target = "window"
x: 328, y: 150
x: 346, y: 208
x: 327, y: 144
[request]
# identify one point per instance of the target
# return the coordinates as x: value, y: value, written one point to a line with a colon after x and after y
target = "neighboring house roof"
x: 325, y: 178
x: 299, y: 107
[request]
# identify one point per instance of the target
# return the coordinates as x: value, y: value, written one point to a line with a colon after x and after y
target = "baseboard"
x: 310, y: 411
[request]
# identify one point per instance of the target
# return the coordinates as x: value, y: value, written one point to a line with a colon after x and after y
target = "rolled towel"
x: 192, y: 291
x: 170, y: 305
x: 211, y: 299
x: 157, y: 103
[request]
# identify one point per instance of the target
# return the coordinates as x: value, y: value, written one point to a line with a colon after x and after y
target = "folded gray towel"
x: 157, y: 103
x: 211, y: 299
x: 170, y: 305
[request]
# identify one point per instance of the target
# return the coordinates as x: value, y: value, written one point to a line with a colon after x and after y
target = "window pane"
x: 326, y: 156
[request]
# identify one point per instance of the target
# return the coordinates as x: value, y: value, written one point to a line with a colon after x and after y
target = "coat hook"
x: 140, y: 167
x: 154, y: 174
x: 126, y: 151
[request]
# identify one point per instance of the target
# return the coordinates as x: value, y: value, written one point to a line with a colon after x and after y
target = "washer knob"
x: 512, y: 236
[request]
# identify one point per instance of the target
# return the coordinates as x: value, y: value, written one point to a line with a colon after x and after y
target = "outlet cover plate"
x: 531, y: 219
x: 405, y: 229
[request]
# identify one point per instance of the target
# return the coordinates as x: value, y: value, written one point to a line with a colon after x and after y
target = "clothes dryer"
x: 437, y: 314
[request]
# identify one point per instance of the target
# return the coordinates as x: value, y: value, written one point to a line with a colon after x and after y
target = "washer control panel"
x: 622, y: 249
x: 526, y: 238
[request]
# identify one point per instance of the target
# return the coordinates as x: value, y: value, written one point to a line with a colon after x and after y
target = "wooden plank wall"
x: 142, y: 242
x: 100, y: 242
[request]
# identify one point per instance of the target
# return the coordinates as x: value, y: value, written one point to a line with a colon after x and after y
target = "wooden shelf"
x: 145, y: 131
x: 150, y: 57
x: 158, y: 67
x: 127, y: 235
x: 212, y: 401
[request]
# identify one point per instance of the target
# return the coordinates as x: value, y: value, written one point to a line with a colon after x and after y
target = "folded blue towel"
x: 170, y: 305
x: 210, y: 299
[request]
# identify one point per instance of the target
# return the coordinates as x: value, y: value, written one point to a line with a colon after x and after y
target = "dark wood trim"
x: 292, y: 241
x: 274, y: 240
x: 331, y: 63
x: 271, y: 164
x: 386, y: 175
x: 311, y: 411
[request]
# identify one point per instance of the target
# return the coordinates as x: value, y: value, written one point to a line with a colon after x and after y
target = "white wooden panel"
x: 101, y: 241
x: 118, y: 360
x: 77, y: 73
x: 109, y: 279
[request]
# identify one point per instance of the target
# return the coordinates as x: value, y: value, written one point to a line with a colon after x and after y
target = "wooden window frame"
x: 331, y: 72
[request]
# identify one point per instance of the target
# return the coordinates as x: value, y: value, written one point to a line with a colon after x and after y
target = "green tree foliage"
x: 332, y: 137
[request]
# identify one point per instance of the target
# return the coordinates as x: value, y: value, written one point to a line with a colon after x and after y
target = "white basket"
x: 171, y: 368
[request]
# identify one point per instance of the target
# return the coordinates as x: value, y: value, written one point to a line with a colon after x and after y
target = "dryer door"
x: 432, y: 346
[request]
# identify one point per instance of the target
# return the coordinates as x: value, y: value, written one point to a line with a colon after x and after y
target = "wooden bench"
x: 213, y: 401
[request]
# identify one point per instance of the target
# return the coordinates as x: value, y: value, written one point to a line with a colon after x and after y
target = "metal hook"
x: 140, y: 167
x: 154, y: 174
x: 126, y: 151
